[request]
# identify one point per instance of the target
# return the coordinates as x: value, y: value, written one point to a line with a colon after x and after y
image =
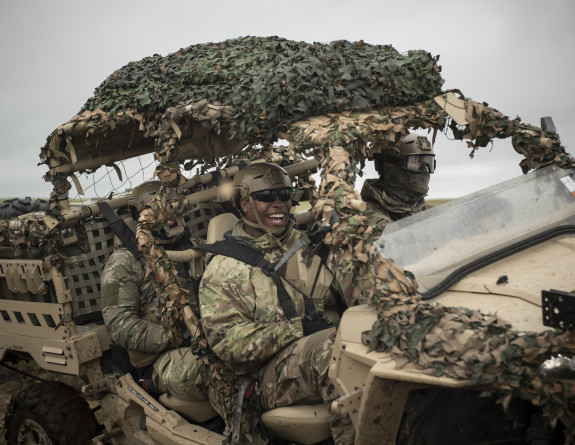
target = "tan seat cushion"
x: 219, y: 225
x: 195, y: 411
x: 305, y: 424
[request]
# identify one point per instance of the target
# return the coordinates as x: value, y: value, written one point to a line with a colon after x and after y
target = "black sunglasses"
x: 284, y: 195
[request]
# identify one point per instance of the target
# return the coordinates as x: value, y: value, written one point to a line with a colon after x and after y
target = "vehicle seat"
x: 219, y: 225
x: 201, y: 411
x: 304, y: 424
x: 196, y: 411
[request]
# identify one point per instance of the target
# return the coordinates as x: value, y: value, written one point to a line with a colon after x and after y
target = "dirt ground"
x: 12, y: 381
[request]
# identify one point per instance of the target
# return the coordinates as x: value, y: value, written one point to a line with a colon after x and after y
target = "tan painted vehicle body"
x: 385, y: 389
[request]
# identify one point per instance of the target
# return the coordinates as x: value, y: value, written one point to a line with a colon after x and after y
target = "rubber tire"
x: 57, y: 411
x: 440, y: 416
x: 11, y: 208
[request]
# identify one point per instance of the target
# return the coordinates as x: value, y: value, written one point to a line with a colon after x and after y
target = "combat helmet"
x: 414, y: 154
x: 405, y: 171
x: 260, y: 176
x: 143, y: 195
x: 257, y: 177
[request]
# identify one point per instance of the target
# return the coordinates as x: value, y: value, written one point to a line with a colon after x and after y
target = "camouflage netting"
x: 272, y: 82
x: 465, y: 344
x: 339, y: 102
x: 443, y: 341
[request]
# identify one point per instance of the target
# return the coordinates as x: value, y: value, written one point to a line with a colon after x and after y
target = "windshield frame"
x: 443, y: 244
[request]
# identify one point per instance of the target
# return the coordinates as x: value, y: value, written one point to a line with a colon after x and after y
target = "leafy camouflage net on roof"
x: 272, y: 82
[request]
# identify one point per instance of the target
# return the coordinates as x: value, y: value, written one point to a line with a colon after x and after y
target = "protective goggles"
x: 413, y: 163
x: 284, y: 195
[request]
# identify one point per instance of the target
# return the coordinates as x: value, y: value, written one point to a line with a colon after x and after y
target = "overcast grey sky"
x: 516, y: 55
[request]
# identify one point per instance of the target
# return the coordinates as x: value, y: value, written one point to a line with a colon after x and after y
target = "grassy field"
x: 432, y: 202
x: 436, y: 202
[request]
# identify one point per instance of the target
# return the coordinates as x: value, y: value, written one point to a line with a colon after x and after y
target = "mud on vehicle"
x: 407, y: 358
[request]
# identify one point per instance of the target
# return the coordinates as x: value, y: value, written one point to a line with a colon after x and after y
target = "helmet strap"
x: 260, y: 225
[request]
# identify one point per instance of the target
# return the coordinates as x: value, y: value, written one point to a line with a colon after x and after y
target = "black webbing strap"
x: 121, y: 230
x: 247, y: 254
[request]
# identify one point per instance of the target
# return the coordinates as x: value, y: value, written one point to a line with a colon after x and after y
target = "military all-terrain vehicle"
x: 468, y: 341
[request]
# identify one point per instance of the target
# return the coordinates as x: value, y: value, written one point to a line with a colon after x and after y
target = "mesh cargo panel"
x: 197, y: 220
x: 83, y: 271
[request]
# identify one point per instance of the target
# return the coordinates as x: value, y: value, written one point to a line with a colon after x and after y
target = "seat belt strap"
x: 121, y: 230
x: 247, y: 254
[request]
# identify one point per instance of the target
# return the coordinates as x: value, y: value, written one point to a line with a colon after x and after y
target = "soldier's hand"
x: 313, y: 326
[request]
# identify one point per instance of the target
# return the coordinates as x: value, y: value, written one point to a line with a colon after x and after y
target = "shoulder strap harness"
x: 242, y: 251
x: 122, y: 231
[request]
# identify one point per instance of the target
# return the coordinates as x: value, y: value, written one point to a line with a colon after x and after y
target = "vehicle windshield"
x: 444, y: 241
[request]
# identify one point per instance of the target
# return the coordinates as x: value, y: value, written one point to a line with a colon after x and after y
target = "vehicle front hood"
x: 511, y: 287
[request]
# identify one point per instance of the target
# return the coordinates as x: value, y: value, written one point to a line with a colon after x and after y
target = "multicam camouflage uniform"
x: 132, y: 316
x: 130, y: 308
x: 247, y: 329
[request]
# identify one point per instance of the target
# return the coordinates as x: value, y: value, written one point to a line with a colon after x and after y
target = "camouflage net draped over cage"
x: 271, y: 82
x: 340, y: 103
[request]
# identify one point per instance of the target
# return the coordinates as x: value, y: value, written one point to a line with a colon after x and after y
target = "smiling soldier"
x: 255, y: 321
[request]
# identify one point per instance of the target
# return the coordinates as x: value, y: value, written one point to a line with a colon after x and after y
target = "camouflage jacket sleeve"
x: 125, y: 298
x: 344, y: 268
x: 241, y: 316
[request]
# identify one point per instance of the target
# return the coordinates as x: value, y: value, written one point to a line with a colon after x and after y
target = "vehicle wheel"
x: 436, y: 416
x: 11, y: 208
x: 49, y: 413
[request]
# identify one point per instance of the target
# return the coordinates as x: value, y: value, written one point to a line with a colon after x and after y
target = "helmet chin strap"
x: 260, y: 225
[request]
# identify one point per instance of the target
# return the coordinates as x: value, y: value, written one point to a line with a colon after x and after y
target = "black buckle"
x: 558, y: 309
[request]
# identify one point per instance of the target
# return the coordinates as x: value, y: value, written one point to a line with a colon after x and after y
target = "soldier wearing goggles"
x: 403, y: 182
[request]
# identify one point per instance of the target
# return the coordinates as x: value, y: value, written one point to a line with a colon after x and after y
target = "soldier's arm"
x: 344, y: 267
x: 240, y: 327
x: 121, y: 300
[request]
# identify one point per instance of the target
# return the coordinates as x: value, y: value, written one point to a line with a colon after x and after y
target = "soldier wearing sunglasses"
x: 284, y: 346
x: 403, y: 181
